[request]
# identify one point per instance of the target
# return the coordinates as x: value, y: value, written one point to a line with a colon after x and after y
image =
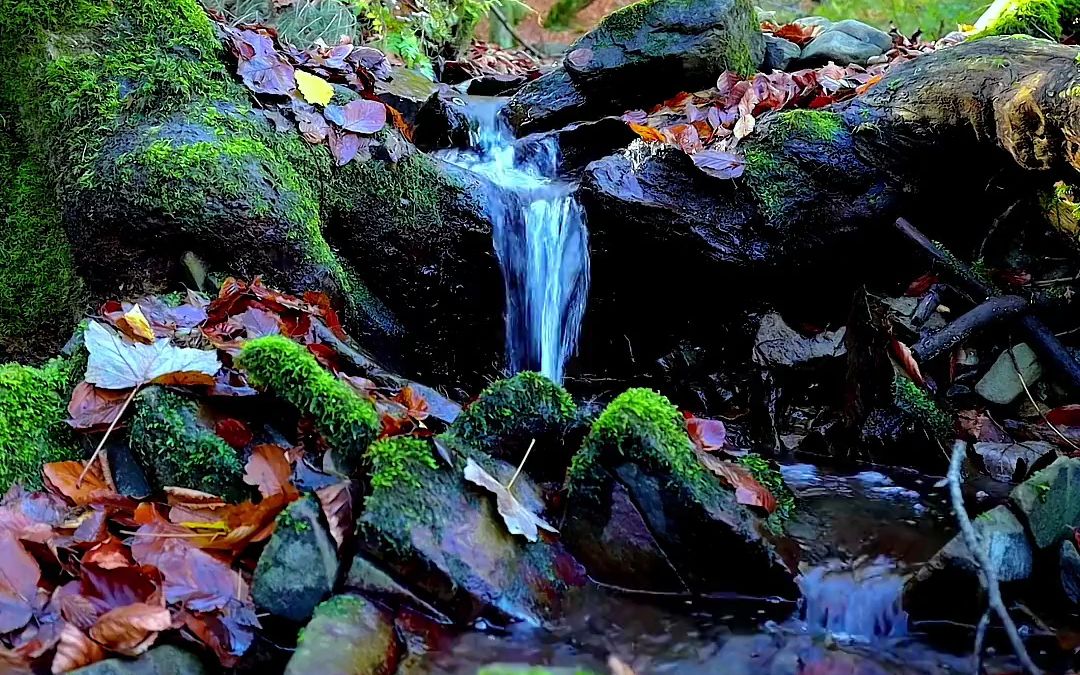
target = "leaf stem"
x: 520, y: 466
x: 106, y: 470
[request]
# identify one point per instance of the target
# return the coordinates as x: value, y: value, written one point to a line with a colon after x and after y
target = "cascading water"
x: 540, y: 238
x: 860, y: 602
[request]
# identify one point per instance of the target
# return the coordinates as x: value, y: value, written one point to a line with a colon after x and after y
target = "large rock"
x: 643, y: 53
x: 779, y: 53
x: 640, y: 443
x: 425, y: 523
x: 1001, y: 384
x: 348, y: 635
x: 846, y: 42
x: 406, y: 91
x: 299, y: 567
x: 1050, y: 501
x: 164, y: 660
x: 949, y: 584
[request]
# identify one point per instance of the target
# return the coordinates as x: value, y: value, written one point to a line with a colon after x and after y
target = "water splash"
x: 540, y: 238
x: 860, y: 601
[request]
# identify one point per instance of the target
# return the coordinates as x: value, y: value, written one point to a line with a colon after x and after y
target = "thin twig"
x: 1019, y: 376
x: 517, y: 36
x: 105, y: 468
x: 521, y: 466
x: 980, y: 638
x: 989, y: 572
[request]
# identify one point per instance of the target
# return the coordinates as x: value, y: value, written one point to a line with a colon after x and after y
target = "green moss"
x: 176, y: 450
x: 643, y: 426
x: 1038, y: 18
x: 33, y: 410
x: 769, y: 476
x: 523, y: 407
x: 391, y: 460
x: 342, y: 607
x: 916, y: 402
x: 288, y: 370
x: 816, y: 125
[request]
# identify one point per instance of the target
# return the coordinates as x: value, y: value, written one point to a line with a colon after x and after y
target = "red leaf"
x: 234, y: 432
x: 269, y: 471
x: 109, y: 554
x: 707, y: 435
x: 921, y: 285
x: 192, y: 576
x: 131, y: 630
x: 1065, y: 416
x: 416, y: 406
x: 92, y: 406
x: 63, y: 478
x: 907, y: 361
x: 75, y: 650
x: 748, y: 490
x: 360, y: 116
x: 19, y: 576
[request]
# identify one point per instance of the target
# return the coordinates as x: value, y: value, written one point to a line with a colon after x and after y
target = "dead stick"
x: 106, y: 470
x: 989, y: 572
x: 517, y: 36
x: 1042, y: 338
x: 993, y: 311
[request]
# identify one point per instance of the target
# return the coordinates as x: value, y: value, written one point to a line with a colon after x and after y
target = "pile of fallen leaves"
x: 89, y: 573
x: 485, y: 58
x: 708, y: 125
x: 295, y: 87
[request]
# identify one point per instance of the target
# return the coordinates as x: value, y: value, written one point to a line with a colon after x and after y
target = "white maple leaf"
x: 117, y: 364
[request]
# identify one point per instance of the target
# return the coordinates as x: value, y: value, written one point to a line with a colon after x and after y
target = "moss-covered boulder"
x: 348, y: 635
x: 1050, y: 19
x: 286, y: 369
x: 640, y: 443
x: 299, y: 566
x: 175, y: 448
x: 643, y: 52
x: 33, y: 410
x: 513, y: 413
x: 126, y: 141
x: 423, y: 522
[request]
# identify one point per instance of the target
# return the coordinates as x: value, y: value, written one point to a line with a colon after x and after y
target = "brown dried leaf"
x: 75, y: 650
x: 131, y: 630
x: 518, y: 519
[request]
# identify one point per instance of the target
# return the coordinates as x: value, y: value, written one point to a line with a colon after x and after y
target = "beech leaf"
x: 361, y: 116
x: 116, y: 364
x: 518, y: 519
x: 313, y: 88
x: 131, y: 629
x: 75, y: 650
x: 748, y: 491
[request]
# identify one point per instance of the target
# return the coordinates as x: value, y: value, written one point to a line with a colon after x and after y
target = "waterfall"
x: 540, y: 239
x: 860, y: 601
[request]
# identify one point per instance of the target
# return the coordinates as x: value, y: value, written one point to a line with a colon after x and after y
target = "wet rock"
x: 526, y: 669
x: 778, y: 344
x: 1007, y: 462
x: 863, y: 33
x: 1069, y: 569
x: 1000, y: 384
x: 1050, y: 501
x: 406, y: 91
x: 584, y: 142
x: 347, y: 635
x: 839, y: 48
x: 672, y: 45
x: 442, y: 122
x: 948, y: 585
x: 779, y: 53
x: 299, y: 566
x: 495, y: 85
x: 365, y: 577
x: 164, y: 660
x: 423, y: 522
x: 640, y: 442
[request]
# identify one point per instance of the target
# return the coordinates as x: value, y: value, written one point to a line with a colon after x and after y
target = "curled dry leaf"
x: 270, y: 471
x: 63, y: 478
x: 92, y: 406
x: 748, y: 490
x: 131, y: 630
x: 337, y: 505
x: 18, y: 584
x: 75, y: 650
x: 518, y: 519
x: 707, y: 435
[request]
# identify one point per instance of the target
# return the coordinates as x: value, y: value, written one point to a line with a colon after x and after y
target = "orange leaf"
x: 748, y: 490
x: 416, y: 404
x: 75, y: 650
x: 337, y: 505
x: 862, y: 88
x: 269, y: 471
x: 648, y: 134
x: 109, y: 554
x: 131, y: 630
x: 63, y: 478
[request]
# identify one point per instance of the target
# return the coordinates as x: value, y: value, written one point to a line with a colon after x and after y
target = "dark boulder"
x: 442, y: 121
x: 406, y: 91
x: 347, y: 635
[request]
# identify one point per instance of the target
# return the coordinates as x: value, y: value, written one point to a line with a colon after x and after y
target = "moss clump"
x: 769, y: 476
x: 33, y: 410
x: 813, y: 125
x: 392, y: 460
x: 286, y: 369
x: 914, y: 401
x: 174, y: 449
x: 1038, y: 18
x: 642, y: 426
x: 521, y: 408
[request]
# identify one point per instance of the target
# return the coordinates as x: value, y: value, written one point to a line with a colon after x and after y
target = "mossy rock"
x: 175, y: 449
x: 640, y: 443
x: 286, y: 369
x: 348, y: 635
x: 513, y: 413
x: 1038, y: 18
x: 425, y: 523
x: 33, y: 414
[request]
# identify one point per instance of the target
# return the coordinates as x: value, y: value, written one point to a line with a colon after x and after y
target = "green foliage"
x: 562, y: 14
x: 934, y: 17
x: 1039, y: 18
x: 769, y: 476
x: 392, y: 459
x: 525, y: 406
x: 175, y: 450
x: 814, y: 125
x: 644, y: 426
x: 916, y: 402
x: 33, y: 410
x: 288, y: 370
x: 433, y: 27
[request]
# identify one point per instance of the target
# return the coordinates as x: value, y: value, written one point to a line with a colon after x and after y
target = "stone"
x: 406, y: 91
x: 863, y: 33
x: 779, y: 53
x: 813, y: 21
x: 1069, y: 569
x: 366, y: 578
x: 641, y: 54
x: 347, y: 635
x: 299, y: 566
x: 1050, y: 501
x: 778, y: 344
x: 581, y: 143
x: 527, y: 669
x: 163, y: 660
x: 1000, y: 384
x: 442, y: 122
x: 840, y: 48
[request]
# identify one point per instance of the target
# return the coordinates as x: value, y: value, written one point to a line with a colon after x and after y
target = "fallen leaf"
x: 1065, y: 416
x: 907, y: 361
x: 234, y: 432
x: 707, y: 435
x: 135, y: 325
x: 92, y: 406
x: 647, y: 134
x: 260, y: 65
x: 415, y: 405
x: 75, y: 650
x: 518, y: 519
x: 109, y: 554
x: 343, y: 146
x: 116, y: 364
x: 131, y: 630
x: 748, y: 490
x: 1007, y: 462
x: 314, y: 89
x: 360, y: 116
x: 337, y: 505
x: 19, y: 576
x: 268, y: 470
x: 719, y: 164
x: 63, y: 478
x: 192, y: 576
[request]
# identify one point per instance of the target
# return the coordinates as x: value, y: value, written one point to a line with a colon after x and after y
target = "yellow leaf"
x: 138, y: 324
x: 216, y: 526
x: 314, y: 88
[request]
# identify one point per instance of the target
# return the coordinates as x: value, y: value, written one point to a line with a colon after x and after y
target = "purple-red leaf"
x: 360, y: 116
